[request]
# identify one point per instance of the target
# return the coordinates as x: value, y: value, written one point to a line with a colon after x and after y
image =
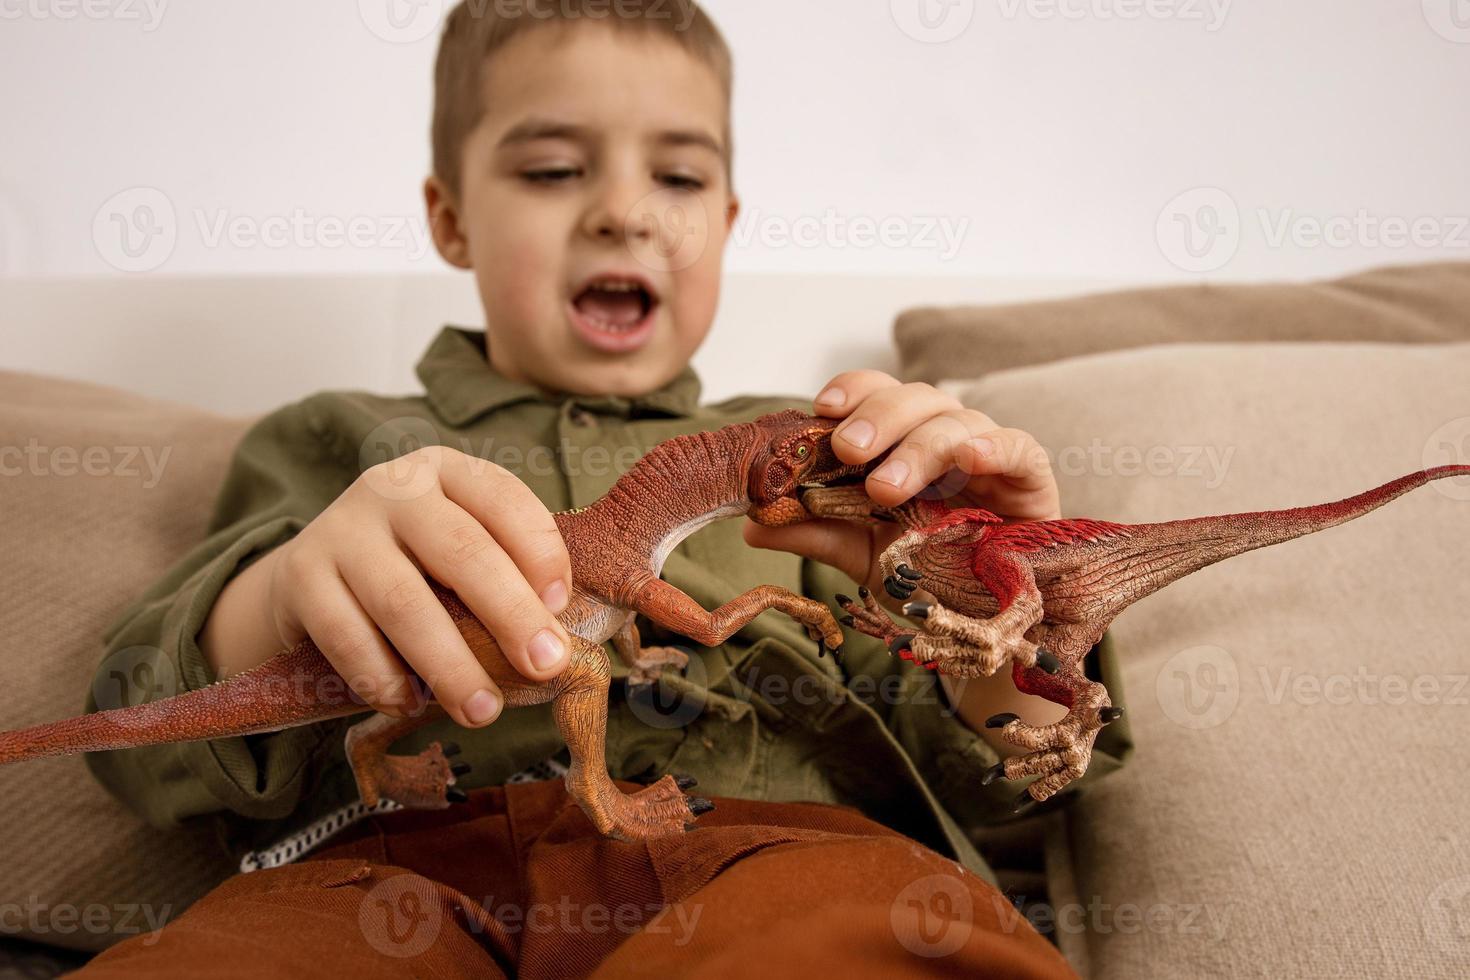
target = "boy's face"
x: 594, y: 209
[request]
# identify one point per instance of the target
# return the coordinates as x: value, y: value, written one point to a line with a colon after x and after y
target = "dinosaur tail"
x: 1177, y: 548
x: 293, y: 688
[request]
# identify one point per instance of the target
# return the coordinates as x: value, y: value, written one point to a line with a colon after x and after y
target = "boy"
x: 565, y: 134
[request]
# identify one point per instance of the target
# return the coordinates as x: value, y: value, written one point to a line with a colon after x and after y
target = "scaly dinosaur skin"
x: 617, y: 546
x: 1038, y: 595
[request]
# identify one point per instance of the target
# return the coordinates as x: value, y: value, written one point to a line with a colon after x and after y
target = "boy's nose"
x: 617, y: 215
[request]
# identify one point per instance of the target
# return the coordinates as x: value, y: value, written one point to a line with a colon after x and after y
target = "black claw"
x: 449, y: 748
x: 685, y: 782
x: 1048, y: 661
x: 848, y: 621
x: 906, y: 572
x: 1001, y: 720
x: 1110, y: 713
x: 699, y: 805
x: 456, y: 795
x: 863, y: 593
x: 837, y: 654
x: 844, y: 600
x: 918, y: 610
x: 460, y: 768
x: 997, y: 771
x: 898, y: 589
x: 1022, y: 800
x: 901, y: 642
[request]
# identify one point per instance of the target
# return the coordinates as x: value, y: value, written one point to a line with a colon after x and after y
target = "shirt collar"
x: 462, y: 386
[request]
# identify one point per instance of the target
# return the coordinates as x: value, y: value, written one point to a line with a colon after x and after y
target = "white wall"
x: 1054, y: 132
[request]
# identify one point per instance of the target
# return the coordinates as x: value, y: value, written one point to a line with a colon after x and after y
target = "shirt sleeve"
x: 286, y: 470
x: 947, y: 752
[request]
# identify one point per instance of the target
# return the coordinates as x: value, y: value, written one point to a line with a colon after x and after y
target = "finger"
x: 395, y: 595
x: 458, y: 551
x: 1012, y: 471
x: 352, y: 643
x: 885, y: 417
x: 927, y: 453
x: 841, y: 544
x: 846, y: 391
x: 518, y: 521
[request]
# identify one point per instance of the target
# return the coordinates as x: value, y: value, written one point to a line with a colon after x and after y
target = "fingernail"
x: 481, y: 707
x: 895, y: 471
x: 546, y: 650
x: 555, y: 597
x: 832, y: 398
x: 860, y: 433
x: 982, y: 447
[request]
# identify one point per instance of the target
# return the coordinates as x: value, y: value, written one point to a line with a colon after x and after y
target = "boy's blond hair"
x: 476, y: 29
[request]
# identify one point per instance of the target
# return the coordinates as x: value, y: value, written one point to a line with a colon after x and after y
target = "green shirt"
x: 760, y: 717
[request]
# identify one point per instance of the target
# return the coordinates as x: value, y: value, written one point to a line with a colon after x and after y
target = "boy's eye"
x: 550, y: 175
x: 683, y: 182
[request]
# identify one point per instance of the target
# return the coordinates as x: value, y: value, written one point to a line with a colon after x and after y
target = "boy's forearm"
x: 239, y: 632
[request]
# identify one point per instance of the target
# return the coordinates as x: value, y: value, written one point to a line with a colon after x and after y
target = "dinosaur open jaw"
x: 614, y: 313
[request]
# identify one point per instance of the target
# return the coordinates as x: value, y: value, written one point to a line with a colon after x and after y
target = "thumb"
x: 845, y: 546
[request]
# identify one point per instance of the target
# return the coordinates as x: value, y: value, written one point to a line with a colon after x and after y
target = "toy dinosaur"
x: 618, y: 546
x: 1040, y: 594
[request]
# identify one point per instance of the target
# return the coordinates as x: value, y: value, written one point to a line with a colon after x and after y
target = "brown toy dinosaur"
x: 1040, y: 594
x: 617, y: 546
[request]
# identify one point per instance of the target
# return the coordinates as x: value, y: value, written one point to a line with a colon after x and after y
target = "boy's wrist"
x: 238, y: 633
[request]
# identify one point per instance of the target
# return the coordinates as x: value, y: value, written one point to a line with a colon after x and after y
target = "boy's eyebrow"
x: 534, y: 129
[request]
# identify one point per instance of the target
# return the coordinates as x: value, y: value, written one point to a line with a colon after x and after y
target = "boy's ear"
x: 444, y: 224
x: 732, y: 211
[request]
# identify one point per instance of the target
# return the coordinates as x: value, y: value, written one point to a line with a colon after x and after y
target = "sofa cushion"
x: 1295, y: 806
x: 103, y: 490
x: 1420, y: 303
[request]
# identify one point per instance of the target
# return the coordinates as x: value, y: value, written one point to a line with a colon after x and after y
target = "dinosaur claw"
x: 450, y: 748
x: 844, y: 600
x: 460, y: 768
x: 848, y: 621
x: 900, y: 644
x: 1001, y: 720
x: 1047, y: 661
x: 699, y: 805
x: 908, y: 573
x: 685, y: 782
x: 863, y: 593
x: 1109, y: 714
x: 456, y: 795
x: 1023, y: 800
x: 918, y: 610
x: 837, y: 653
x: 997, y: 771
x: 898, y: 589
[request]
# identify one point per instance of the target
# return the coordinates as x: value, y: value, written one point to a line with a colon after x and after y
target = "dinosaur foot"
x: 652, y: 661
x: 1060, y: 752
x: 658, y: 811
x: 840, y: 503
x: 970, y: 647
x: 868, y: 617
x: 419, y: 782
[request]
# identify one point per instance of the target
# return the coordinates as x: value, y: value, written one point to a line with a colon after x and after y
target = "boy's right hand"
x: 358, y: 569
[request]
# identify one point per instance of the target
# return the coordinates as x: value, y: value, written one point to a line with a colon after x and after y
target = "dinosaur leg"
x: 646, y: 663
x: 673, y: 610
x: 927, y: 651
x: 422, y: 782
x: 580, y: 709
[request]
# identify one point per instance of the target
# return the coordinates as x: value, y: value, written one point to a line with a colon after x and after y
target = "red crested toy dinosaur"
x: 617, y: 546
x: 1040, y: 594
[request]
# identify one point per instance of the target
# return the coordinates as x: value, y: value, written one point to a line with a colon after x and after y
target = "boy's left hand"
x: 931, y: 434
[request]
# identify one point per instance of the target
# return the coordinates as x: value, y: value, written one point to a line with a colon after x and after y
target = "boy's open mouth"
x: 614, y: 313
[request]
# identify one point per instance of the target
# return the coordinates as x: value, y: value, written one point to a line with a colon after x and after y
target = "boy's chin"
x: 623, y: 375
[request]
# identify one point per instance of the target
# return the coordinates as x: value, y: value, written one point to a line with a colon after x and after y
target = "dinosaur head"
x: 792, y: 451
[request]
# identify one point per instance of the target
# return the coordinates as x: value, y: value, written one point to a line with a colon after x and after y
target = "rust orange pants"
x: 517, y: 883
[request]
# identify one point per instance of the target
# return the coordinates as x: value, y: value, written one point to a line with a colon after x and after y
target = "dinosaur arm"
x: 673, y: 610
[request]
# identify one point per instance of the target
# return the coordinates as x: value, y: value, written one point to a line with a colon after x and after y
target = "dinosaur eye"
x: 803, y: 451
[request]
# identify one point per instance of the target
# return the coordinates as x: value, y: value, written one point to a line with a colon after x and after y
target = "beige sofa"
x: 1296, y: 804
